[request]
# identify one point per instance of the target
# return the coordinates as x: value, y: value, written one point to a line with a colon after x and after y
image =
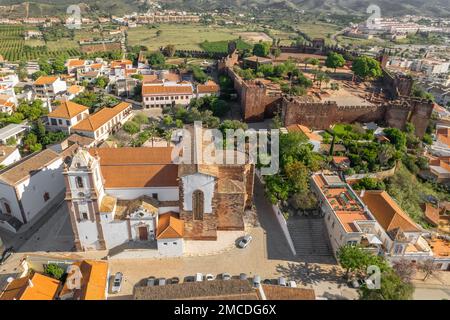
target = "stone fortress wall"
x: 257, y: 103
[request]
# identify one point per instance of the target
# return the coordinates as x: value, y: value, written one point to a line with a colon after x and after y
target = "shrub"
x: 54, y: 271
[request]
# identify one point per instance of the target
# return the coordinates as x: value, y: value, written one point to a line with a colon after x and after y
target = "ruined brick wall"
x: 249, y: 185
x: 321, y: 116
x: 256, y: 104
x: 416, y: 111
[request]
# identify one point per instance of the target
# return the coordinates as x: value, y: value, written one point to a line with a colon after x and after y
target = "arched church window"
x: 79, y: 182
x: 7, y: 207
x: 198, y: 204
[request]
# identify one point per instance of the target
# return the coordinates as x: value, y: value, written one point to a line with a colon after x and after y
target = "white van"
x: 198, y: 277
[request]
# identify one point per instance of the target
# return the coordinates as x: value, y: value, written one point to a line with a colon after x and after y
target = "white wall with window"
x: 170, y: 247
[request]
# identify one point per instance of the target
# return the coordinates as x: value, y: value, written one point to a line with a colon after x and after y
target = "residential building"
x: 210, y: 88
x: 166, y: 94
x: 66, y: 115
x: 7, y: 104
x: 99, y: 125
x: 346, y: 217
x: 313, y: 137
x: 117, y: 195
x: 8, y: 155
x: 34, y: 286
x: 404, y: 238
x: 47, y: 88
x: 93, y: 283
x: 71, y: 140
x: 371, y: 219
x: 29, y: 188
x: 74, y: 91
x: 13, y: 133
x: 125, y: 86
x: 439, y: 169
x: 121, y: 68
x: 73, y: 65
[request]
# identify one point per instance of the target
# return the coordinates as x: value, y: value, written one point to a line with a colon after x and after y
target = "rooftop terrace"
x: 343, y: 200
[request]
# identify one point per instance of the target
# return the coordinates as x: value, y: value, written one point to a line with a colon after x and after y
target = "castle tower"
x: 84, y: 193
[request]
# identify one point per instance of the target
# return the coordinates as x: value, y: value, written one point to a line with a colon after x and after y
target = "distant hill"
x: 37, y: 8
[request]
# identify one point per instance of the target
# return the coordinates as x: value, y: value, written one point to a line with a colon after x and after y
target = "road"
x: 268, y: 255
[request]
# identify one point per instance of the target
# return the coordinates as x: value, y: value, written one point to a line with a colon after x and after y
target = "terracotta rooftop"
x: 342, y: 200
x: 137, y: 167
x: 100, y: 118
x: 161, y: 89
x: 273, y: 292
x: 43, y: 80
x: 23, y: 169
x: 440, y: 248
x: 93, y: 282
x: 387, y: 212
x: 170, y: 226
x: 204, y: 290
x: 67, y: 110
x: 42, y: 288
x: 75, y: 63
x: 120, y: 63
x: 75, y: 89
x: 431, y: 213
x: 306, y: 131
x: 209, y: 87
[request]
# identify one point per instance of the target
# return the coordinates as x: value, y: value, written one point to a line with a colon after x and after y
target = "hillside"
x: 17, y: 8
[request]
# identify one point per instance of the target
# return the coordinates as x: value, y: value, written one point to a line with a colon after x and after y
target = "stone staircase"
x: 309, y: 235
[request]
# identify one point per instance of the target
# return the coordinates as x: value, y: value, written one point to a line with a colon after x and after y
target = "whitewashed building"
x: 29, y: 187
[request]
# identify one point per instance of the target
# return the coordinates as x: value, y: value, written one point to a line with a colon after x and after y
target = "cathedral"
x: 117, y: 195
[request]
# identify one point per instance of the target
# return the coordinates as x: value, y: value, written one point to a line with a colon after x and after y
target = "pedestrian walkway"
x: 309, y: 236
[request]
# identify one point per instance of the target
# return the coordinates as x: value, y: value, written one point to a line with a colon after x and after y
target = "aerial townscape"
x: 197, y: 150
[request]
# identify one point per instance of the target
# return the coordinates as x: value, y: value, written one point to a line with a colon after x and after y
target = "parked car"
x: 6, y: 254
x: 198, y: 277
x: 175, y: 280
x: 356, y: 283
x: 189, y: 279
x: 151, y: 281
x: 117, y: 282
x: 282, y: 282
x: 267, y: 281
x: 162, y: 282
x: 292, y: 284
x: 243, y: 276
x: 245, y: 241
x: 209, y: 277
x: 226, y: 276
x: 256, y: 281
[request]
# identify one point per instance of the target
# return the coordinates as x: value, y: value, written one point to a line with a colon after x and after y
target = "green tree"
x: 220, y: 107
x: 54, y: 271
x: 131, y: 127
x: 156, y: 59
x: 366, y: 67
x: 58, y: 65
x: 169, y: 50
x: 44, y: 66
x: 352, y: 258
x: 261, y: 49
x: 334, y: 61
x: 392, y: 287
x: 298, y: 175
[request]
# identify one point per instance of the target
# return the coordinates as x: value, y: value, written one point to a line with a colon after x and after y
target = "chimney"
x: 362, y: 193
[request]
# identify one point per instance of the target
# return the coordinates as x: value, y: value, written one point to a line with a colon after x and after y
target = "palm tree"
x: 167, y: 135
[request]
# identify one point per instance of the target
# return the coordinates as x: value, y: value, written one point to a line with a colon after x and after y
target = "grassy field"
x: 188, y: 37
x: 319, y: 30
x: 222, y: 46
